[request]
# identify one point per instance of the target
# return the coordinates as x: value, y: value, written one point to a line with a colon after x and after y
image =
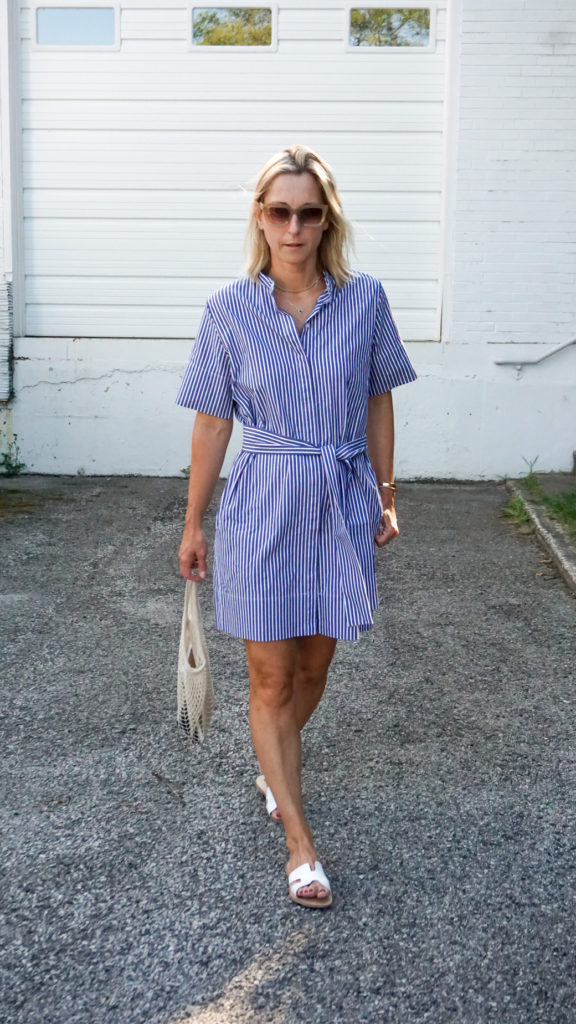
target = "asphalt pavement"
x: 143, y: 882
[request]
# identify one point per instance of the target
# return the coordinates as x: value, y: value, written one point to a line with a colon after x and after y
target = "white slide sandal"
x: 305, y: 875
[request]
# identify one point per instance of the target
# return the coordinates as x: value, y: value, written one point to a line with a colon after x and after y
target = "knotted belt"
x: 357, y: 608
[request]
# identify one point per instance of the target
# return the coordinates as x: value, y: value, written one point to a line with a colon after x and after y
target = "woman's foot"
x: 307, y: 855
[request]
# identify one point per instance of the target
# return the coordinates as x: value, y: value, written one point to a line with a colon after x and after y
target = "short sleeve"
x: 389, y: 365
x: 207, y: 382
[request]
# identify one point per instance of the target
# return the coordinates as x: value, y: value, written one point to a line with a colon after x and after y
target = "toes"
x: 314, y: 891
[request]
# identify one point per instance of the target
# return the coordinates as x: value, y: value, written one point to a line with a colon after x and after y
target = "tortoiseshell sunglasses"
x: 311, y: 215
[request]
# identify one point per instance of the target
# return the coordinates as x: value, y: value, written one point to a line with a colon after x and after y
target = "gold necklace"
x: 297, y: 292
x: 290, y: 291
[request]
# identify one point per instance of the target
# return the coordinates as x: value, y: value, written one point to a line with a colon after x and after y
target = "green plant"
x: 10, y: 462
x: 530, y: 481
x: 186, y: 471
x: 563, y: 508
x: 515, y: 509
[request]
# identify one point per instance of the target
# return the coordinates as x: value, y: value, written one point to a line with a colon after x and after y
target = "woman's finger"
x: 387, y: 530
x: 192, y: 561
x: 200, y: 568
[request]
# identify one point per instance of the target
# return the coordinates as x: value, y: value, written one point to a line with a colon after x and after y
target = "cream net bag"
x: 196, y: 700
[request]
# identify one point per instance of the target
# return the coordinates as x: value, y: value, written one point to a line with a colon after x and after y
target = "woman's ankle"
x: 301, y: 845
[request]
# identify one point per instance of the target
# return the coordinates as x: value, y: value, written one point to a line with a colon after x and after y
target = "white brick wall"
x: 514, y: 256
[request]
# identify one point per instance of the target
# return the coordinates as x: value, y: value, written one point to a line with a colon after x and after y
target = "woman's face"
x: 292, y: 243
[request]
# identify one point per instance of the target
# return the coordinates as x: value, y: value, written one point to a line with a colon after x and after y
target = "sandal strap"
x: 271, y: 804
x: 304, y: 875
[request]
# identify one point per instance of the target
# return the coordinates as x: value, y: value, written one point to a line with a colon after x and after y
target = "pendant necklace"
x: 301, y: 292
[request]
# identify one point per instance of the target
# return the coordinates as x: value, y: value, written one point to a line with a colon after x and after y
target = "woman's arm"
x: 210, y: 438
x: 380, y: 439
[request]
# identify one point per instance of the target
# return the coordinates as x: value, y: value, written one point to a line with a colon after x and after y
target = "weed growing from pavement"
x: 10, y: 462
x: 515, y: 510
x: 563, y: 508
x: 530, y: 481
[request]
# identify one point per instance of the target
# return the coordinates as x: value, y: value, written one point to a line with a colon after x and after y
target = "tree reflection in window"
x: 232, y: 26
x: 389, y: 26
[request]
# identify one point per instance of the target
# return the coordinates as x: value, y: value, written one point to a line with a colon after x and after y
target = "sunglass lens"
x: 279, y: 214
x: 311, y: 216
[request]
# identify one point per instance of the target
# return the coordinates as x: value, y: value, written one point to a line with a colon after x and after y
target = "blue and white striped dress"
x: 294, y: 541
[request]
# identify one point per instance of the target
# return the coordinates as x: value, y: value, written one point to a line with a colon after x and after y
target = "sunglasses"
x: 311, y: 215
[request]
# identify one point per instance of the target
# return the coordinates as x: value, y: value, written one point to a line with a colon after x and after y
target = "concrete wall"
x: 102, y: 407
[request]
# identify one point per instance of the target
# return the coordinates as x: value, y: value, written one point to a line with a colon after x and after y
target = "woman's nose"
x: 294, y: 224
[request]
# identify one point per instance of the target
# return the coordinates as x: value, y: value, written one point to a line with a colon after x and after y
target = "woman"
x: 305, y: 353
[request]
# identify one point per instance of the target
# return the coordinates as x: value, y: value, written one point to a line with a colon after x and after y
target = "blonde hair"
x: 336, y: 240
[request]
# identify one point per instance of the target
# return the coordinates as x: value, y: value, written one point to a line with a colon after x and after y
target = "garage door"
x: 143, y: 125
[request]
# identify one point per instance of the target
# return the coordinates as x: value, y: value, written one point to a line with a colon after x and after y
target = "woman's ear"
x: 258, y: 215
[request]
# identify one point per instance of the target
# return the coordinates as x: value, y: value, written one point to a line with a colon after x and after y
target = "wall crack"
x: 103, y: 376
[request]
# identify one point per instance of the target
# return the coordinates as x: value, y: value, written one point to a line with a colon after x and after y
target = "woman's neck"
x: 295, y: 279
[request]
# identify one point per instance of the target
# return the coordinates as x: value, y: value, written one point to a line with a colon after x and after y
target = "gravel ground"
x: 143, y: 883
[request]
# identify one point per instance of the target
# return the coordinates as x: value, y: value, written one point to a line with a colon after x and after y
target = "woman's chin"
x: 294, y: 254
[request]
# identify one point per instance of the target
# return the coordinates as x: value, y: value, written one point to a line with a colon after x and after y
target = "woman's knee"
x: 271, y: 671
x: 274, y: 691
x: 311, y: 677
x: 314, y: 657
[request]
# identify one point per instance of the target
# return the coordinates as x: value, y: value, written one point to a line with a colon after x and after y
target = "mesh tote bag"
x: 196, y: 700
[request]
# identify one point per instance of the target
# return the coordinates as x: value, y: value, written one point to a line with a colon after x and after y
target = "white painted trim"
x: 16, y: 167
x: 75, y: 47
x: 5, y: 142
x: 450, y: 161
x: 400, y: 50
x: 191, y: 45
x: 11, y: 271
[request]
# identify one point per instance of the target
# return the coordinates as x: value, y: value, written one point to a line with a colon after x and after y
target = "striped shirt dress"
x: 294, y: 533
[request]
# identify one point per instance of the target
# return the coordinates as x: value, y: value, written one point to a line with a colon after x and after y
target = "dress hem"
x: 364, y: 628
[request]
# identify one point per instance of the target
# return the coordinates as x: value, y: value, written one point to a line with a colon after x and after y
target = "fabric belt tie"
x: 352, y: 582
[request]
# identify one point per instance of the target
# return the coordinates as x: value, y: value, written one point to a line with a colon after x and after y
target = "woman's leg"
x: 314, y: 654
x: 278, y: 670
x: 313, y: 657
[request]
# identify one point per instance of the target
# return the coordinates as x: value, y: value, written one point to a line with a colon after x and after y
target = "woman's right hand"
x: 192, y: 554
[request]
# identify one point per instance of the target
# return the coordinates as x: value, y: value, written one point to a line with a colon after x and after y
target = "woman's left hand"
x: 388, y: 527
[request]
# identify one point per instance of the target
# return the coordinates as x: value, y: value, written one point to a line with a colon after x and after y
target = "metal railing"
x: 521, y: 363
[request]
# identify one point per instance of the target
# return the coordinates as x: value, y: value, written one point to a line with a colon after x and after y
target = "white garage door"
x: 144, y: 123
